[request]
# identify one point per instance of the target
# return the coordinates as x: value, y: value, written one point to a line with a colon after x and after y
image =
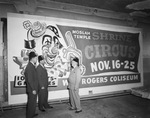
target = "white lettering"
x: 94, y: 80
x: 123, y: 78
x: 65, y: 83
x: 101, y: 65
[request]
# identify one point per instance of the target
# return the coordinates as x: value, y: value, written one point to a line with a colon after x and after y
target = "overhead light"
x: 139, y: 5
x: 139, y: 14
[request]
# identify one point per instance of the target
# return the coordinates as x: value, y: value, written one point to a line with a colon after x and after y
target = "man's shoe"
x: 49, y: 107
x: 78, y: 111
x: 35, y: 115
x: 71, y: 108
x: 43, y: 110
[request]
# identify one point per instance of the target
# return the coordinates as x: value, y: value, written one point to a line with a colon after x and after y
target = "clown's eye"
x: 56, y: 41
x: 47, y: 40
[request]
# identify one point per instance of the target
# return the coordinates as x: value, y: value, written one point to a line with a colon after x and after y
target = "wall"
x: 1, y: 63
x: 69, y: 15
x: 146, y: 53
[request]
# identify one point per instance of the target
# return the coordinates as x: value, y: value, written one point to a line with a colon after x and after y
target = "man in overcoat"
x: 43, y: 85
x: 31, y: 85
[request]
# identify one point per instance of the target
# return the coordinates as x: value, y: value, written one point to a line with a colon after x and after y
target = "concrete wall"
x: 146, y: 53
x: 1, y: 63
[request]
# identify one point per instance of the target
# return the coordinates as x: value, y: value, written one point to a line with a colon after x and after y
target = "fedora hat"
x: 32, y: 55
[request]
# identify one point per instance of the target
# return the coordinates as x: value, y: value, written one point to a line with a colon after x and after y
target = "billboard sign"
x: 110, y: 56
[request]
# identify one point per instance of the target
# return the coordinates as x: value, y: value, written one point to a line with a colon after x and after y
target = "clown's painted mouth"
x: 50, y: 59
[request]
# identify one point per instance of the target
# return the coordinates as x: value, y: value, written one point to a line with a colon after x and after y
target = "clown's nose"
x: 54, y: 50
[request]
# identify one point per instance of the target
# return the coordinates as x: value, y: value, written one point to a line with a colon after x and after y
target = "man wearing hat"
x: 43, y: 85
x: 73, y: 85
x: 31, y: 85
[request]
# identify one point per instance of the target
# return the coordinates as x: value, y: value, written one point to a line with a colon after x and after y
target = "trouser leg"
x: 31, y: 105
x: 77, y: 100
x: 72, y: 102
x: 41, y: 99
x: 46, y: 105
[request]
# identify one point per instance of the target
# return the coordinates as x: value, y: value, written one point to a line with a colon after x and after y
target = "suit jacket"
x: 42, y: 76
x: 31, y: 78
x: 74, y: 78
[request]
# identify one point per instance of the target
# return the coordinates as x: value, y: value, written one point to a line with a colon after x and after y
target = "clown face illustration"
x: 50, y: 47
x: 46, y: 39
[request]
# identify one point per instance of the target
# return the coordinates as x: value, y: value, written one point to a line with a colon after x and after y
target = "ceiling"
x: 135, y: 8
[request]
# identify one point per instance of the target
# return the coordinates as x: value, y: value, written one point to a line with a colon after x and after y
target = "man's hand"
x: 34, y: 92
x: 42, y: 87
x: 76, y: 88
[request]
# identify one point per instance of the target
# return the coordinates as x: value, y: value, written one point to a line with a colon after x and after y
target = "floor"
x: 124, y: 106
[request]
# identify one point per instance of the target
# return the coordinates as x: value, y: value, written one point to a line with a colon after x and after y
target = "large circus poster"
x: 110, y: 56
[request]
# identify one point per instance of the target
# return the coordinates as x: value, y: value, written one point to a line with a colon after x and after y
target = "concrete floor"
x: 125, y: 106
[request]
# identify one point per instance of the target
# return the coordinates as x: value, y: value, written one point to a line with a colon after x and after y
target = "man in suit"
x: 73, y: 85
x: 31, y: 85
x: 43, y: 85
